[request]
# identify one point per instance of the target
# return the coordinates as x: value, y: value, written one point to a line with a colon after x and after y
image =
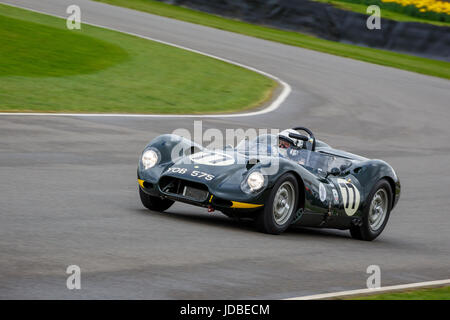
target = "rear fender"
x: 370, y: 172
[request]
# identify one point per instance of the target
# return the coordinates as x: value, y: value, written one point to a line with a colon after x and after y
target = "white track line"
x: 373, y: 291
x: 273, y: 106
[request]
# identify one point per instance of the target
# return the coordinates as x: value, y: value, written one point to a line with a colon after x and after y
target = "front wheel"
x: 154, y: 203
x: 376, y: 213
x: 279, y: 209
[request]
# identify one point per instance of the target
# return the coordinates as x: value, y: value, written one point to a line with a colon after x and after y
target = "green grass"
x: 411, y: 10
x: 47, y: 68
x: 383, y: 57
x: 385, y: 13
x: 26, y: 51
x: 421, y: 294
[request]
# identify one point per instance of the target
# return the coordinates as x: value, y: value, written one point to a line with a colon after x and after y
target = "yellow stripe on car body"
x: 243, y: 205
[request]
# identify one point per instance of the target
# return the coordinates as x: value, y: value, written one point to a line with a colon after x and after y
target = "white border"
x: 273, y: 106
x: 373, y: 291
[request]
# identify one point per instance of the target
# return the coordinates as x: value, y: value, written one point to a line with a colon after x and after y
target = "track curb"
x: 366, y: 292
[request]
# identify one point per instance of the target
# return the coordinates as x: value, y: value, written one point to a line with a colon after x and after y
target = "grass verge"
x: 385, y: 13
x: 47, y: 68
x: 382, y: 57
x: 419, y: 294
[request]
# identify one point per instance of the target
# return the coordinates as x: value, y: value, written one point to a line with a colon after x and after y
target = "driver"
x: 286, y: 142
x: 290, y: 148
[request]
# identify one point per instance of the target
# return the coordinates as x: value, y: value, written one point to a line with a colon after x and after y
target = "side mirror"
x: 334, y: 172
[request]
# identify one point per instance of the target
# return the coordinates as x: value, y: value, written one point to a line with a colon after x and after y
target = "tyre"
x: 154, y: 203
x: 280, y: 206
x: 376, y: 213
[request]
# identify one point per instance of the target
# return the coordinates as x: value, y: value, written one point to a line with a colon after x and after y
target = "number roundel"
x: 212, y: 158
x: 351, y: 197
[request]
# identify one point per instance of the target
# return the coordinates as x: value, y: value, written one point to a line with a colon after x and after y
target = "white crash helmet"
x: 284, y: 135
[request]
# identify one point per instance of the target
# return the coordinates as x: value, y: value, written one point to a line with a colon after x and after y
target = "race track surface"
x: 68, y: 192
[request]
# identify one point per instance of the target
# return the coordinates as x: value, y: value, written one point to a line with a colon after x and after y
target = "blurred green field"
x: 47, y: 68
x: 383, y: 57
x: 420, y: 294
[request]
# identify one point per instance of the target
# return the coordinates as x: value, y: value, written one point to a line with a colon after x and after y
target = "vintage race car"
x: 308, y: 184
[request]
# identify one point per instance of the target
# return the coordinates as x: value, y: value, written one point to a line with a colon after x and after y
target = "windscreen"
x: 263, y: 145
x: 267, y: 145
x: 317, y: 161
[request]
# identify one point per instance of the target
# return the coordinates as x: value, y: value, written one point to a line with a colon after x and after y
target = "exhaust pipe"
x: 357, y: 222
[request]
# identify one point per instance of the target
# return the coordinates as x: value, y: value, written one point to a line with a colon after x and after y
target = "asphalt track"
x: 68, y: 192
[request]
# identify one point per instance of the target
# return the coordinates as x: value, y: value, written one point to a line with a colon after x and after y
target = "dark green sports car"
x: 277, y: 180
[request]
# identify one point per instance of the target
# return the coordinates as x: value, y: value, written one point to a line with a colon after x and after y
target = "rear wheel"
x: 279, y: 209
x: 376, y: 213
x: 154, y: 203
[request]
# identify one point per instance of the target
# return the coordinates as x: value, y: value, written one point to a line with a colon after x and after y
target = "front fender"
x: 170, y: 148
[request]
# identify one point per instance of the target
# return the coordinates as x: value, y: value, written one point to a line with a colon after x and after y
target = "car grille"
x: 194, y: 193
x: 184, y: 189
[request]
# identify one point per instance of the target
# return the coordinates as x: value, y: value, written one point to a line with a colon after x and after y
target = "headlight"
x: 149, y: 159
x: 255, y: 180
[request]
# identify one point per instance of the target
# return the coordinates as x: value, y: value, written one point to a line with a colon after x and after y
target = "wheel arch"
x: 171, y: 147
x: 393, y: 188
x: 376, y: 170
x: 301, y: 187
